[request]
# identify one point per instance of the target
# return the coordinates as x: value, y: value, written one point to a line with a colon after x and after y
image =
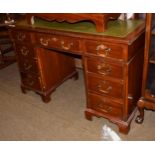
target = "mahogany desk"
x: 112, y: 63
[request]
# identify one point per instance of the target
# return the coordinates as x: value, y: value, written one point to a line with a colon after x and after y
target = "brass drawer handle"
x: 29, y: 80
x: 66, y: 47
x: 54, y: 39
x: 27, y: 66
x: 105, y: 108
x: 24, y: 51
x: 107, y: 91
x: 103, y: 48
x: 21, y: 36
x: 108, y: 109
x: 104, y: 69
x: 30, y: 83
x: 44, y: 42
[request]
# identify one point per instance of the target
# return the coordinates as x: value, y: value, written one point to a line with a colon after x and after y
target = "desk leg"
x: 139, y: 119
x: 23, y: 90
x: 46, y: 98
x: 76, y: 76
x: 88, y: 115
x: 124, y: 128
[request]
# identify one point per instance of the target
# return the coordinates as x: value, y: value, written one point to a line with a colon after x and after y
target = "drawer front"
x: 27, y: 65
x: 21, y: 36
x: 31, y: 81
x: 58, y: 42
x: 104, y: 68
x: 105, y: 49
x: 104, y: 105
x: 105, y: 87
x: 25, y: 51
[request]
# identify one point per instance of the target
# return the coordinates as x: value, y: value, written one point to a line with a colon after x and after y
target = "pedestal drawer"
x: 104, y: 68
x: 106, y: 87
x: 104, y: 49
x: 25, y: 51
x: 28, y: 65
x: 21, y: 36
x: 31, y: 81
x: 104, y: 105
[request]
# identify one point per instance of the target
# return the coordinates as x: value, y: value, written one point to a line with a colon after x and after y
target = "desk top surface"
x: 116, y: 28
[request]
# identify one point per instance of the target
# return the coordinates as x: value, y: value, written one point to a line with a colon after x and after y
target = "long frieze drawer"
x: 58, y: 42
x: 21, y: 36
x: 25, y: 51
x: 27, y: 65
x: 105, y: 87
x: 104, y: 105
x: 104, y: 68
x: 31, y: 81
x: 105, y: 49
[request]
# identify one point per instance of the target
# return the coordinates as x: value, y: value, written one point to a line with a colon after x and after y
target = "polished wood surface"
x: 147, y: 100
x: 120, y: 84
x: 41, y: 70
x: 112, y: 67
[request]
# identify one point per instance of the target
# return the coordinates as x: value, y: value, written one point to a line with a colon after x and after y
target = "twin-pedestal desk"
x: 112, y: 63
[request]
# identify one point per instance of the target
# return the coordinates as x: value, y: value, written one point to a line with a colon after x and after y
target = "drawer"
x: 104, y: 49
x: 105, y: 87
x: 27, y: 65
x: 21, y: 36
x: 58, y: 42
x: 31, y: 81
x: 25, y: 51
x: 104, y: 68
x: 105, y: 105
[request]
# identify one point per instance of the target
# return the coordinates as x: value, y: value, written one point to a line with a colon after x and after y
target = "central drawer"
x: 31, y: 81
x: 104, y: 87
x: 58, y: 42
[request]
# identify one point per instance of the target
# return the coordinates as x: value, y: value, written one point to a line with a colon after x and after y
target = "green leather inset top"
x: 116, y: 28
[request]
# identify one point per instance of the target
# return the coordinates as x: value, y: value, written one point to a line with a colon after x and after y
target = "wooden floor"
x: 26, y: 117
